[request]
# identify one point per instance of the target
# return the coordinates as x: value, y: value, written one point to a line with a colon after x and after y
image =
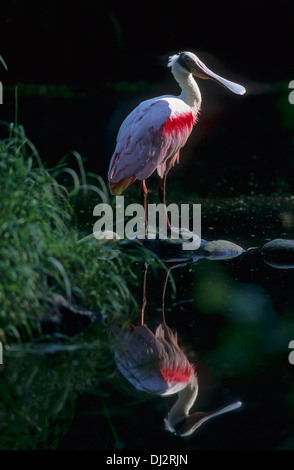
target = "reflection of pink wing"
x: 174, y: 366
x: 152, y: 363
x: 154, y: 132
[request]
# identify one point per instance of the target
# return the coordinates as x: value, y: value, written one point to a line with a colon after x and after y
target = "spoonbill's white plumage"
x: 152, y: 135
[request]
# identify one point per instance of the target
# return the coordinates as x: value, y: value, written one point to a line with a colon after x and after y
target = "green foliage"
x: 40, y: 250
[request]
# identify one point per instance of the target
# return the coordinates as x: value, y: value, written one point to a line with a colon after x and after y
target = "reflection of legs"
x: 163, y: 294
x: 164, y: 288
x: 144, y: 301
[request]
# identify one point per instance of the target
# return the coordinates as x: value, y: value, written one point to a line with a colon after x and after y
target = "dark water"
x: 234, y: 319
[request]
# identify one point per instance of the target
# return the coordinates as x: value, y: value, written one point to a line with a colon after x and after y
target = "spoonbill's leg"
x: 144, y: 193
x: 161, y: 194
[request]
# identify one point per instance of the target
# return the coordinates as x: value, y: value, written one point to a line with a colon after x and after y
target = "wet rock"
x: 221, y: 249
x: 66, y: 317
x: 169, y: 249
x: 279, y: 253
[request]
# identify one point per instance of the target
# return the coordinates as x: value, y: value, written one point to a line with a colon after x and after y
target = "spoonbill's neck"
x: 190, y: 91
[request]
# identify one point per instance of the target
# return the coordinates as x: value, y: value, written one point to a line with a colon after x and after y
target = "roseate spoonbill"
x: 153, y: 133
x: 154, y: 363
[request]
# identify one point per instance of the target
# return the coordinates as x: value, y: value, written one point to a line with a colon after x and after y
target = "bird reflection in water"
x: 154, y: 363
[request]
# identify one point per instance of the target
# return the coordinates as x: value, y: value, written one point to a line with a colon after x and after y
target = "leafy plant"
x: 41, y: 252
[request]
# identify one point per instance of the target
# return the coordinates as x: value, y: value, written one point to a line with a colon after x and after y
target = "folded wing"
x: 152, y: 134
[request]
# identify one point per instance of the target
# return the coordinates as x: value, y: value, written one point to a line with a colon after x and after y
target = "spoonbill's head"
x: 187, y: 62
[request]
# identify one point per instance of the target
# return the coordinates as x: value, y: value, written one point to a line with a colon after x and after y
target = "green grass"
x: 40, y: 248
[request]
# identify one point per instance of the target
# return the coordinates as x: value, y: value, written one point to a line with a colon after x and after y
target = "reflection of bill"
x: 291, y: 94
x: 1, y: 93
x: 1, y: 353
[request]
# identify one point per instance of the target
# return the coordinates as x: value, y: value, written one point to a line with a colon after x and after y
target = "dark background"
x: 84, y: 42
x: 82, y: 66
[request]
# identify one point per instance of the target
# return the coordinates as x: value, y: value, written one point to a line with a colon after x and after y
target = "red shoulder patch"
x: 178, y: 123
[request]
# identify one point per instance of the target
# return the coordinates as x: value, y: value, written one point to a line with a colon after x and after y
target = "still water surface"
x: 234, y: 319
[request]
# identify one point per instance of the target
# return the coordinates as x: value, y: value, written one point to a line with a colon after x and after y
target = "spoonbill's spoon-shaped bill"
x: 195, y: 66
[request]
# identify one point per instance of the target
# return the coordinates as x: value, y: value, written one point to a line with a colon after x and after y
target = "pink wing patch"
x: 178, y: 124
x: 177, y: 129
x: 176, y: 374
